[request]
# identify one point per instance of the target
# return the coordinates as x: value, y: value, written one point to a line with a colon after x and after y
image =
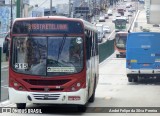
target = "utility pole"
x: 50, y: 7
x: 18, y: 4
x: 11, y: 15
x: 69, y: 8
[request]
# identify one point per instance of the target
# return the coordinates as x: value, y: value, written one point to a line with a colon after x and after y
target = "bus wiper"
x: 61, y: 46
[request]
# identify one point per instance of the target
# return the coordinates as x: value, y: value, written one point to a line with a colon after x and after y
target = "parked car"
x: 106, y: 29
x: 101, y: 19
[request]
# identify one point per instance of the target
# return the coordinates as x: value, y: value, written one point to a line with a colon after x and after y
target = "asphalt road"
x: 4, y: 81
x: 113, y: 91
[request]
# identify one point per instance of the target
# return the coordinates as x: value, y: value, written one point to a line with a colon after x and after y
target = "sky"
x: 46, y: 3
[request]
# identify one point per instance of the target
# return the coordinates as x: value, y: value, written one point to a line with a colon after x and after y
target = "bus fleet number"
x: 21, y: 65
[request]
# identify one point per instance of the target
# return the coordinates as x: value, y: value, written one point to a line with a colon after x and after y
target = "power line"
x: 41, y: 4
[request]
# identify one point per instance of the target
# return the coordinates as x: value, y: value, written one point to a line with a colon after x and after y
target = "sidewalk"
x: 4, y: 65
x: 142, y: 23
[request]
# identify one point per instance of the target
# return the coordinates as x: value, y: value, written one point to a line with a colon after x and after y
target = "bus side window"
x: 88, y: 45
x: 96, y: 43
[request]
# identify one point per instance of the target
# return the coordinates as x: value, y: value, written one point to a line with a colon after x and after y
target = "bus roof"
x: 85, y: 23
x: 122, y: 17
x: 122, y: 32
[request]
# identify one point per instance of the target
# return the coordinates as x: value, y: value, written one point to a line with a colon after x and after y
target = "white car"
x: 128, y: 5
x: 101, y: 19
x: 106, y: 16
x: 117, y: 15
x: 110, y: 12
x: 106, y: 29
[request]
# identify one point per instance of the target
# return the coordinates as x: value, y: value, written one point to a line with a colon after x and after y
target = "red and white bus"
x: 53, y: 60
x: 120, y: 43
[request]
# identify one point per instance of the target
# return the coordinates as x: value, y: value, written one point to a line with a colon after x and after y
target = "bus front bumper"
x: 78, y: 97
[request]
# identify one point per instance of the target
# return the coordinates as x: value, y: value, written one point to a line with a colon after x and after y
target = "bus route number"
x: 21, y: 66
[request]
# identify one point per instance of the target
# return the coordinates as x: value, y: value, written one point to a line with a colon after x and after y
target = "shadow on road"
x: 148, y: 81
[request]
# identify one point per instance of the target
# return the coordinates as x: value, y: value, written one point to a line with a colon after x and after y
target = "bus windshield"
x: 121, y: 42
x: 47, y: 56
x: 120, y: 22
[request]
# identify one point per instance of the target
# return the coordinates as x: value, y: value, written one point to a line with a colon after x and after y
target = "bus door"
x: 90, y: 63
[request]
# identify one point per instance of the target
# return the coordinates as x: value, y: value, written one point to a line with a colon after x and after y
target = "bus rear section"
x: 52, y: 62
x: 143, y: 55
x: 120, y: 44
x: 120, y: 24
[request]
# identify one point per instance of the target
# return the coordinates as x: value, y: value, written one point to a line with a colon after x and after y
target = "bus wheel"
x: 21, y: 105
x: 117, y: 55
x: 130, y: 79
x: 135, y: 79
x: 82, y: 108
x: 92, y: 98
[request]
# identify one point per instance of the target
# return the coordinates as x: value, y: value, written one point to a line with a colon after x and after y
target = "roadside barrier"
x: 106, y: 49
x: 0, y: 73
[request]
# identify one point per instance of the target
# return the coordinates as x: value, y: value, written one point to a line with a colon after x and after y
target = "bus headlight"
x: 16, y: 85
x: 77, y: 85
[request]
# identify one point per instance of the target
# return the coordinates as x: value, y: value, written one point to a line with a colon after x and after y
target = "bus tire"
x: 130, y: 79
x: 135, y: 79
x: 21, y: 105
x: 82, y: 108
x: 92, y: 98
x: 117, y: 55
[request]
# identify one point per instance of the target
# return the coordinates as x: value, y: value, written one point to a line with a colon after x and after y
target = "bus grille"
x: 46, y: 82
x: 49, y: 89
x: 46, y: 96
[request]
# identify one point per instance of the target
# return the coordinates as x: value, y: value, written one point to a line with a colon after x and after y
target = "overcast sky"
x: 46, y: 3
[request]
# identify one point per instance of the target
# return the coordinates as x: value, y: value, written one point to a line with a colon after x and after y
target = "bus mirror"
x: 5, y: 46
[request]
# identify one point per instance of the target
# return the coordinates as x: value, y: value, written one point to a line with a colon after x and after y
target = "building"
x: 5, y: 17
x: 62, y: 9
x: 47, y: 11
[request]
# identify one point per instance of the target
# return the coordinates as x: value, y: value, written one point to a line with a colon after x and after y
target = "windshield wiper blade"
x: 61, y: 46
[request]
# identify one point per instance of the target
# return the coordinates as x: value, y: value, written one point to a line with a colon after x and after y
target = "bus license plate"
x: 145, y: 64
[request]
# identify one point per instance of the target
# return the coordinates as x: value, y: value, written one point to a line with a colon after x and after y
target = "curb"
x: 5, y: 103
x: 4, y: 67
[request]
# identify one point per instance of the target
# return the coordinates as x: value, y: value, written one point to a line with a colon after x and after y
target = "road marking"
x: 110, y: 35
x: 107, y: 97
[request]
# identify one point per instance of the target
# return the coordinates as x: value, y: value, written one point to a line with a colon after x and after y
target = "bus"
x: 120, y: 24
x: 53, y: 60
x: 120, y: 43
x: 142, y: 55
